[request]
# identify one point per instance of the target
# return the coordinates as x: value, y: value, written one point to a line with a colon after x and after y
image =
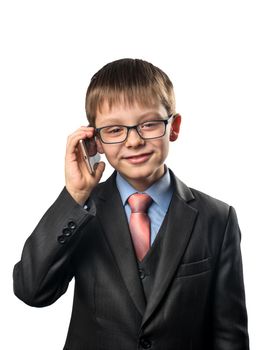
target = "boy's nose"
x: 134, y: 139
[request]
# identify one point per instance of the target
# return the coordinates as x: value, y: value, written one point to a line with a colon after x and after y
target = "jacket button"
x: 72, y: 225
x: 62, y: 239
x: 142, y: 274
x: 66, y: 232
x: 145, y: 343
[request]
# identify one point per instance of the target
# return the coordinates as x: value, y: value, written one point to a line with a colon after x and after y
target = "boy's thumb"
x: 99, y: 169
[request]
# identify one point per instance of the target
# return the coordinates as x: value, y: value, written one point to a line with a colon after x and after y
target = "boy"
x: 157, y: 265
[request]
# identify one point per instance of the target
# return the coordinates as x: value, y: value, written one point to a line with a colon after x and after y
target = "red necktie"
x: 140, y: 223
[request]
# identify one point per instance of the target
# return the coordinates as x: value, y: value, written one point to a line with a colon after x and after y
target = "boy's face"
x: 140, y: 162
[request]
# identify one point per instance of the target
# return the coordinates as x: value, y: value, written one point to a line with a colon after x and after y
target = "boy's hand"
x: 79, y: 182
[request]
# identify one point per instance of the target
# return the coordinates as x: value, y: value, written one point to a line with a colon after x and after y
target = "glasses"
x: 151, y: 129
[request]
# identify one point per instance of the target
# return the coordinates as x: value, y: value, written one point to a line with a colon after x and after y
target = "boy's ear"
x: 175, y: 127
x: 99, y: 146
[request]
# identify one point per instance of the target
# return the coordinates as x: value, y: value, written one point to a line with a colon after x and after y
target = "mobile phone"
x: 89, y: 153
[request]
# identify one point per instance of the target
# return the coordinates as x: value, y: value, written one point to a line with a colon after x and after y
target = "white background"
x: 212, y: 51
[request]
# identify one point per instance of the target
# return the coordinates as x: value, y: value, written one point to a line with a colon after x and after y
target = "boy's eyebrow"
x: 154, y: 113
x: 119, y: 120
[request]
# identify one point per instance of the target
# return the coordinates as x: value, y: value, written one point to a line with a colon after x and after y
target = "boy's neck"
x: 142, y: 184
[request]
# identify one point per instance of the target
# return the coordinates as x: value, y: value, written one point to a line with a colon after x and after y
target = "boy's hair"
x: 128, y: 81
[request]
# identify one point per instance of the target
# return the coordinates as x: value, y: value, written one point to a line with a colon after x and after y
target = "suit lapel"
x: 112, y: 217
x: 180, y: 220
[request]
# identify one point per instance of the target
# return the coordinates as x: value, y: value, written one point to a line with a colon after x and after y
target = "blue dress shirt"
x: 161, y: 192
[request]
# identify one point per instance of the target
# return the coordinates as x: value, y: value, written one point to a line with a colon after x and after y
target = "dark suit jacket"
x: 197, y: 300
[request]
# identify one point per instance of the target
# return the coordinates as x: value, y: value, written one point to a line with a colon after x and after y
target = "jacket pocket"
x: 194, y: 268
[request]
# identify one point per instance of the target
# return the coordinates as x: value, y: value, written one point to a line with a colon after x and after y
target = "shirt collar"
x: 161, y: 191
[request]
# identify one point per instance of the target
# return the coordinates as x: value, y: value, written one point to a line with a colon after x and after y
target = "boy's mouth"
x: 138, y: 158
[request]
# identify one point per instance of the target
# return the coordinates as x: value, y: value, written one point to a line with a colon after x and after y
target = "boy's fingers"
x: 86, y: 132
x: 74, y: 138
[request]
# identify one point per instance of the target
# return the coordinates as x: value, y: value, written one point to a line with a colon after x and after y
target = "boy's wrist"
x: 79, y: 196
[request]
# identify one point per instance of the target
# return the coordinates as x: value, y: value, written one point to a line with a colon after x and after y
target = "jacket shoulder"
x: 210, y: 205
x: 199, y: 199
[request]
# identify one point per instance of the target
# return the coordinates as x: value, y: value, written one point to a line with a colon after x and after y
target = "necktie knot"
x: 139, y: 202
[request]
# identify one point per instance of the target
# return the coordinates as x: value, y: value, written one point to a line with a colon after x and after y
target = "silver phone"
x: 89, y: 153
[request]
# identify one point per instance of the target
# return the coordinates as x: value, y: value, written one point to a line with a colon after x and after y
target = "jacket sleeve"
x: 229, y: 313
x: 44, y: 271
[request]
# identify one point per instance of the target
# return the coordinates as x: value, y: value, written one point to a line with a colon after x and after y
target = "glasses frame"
x: 135, y: 127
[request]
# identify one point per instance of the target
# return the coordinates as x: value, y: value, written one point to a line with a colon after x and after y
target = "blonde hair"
x: 129, y: 81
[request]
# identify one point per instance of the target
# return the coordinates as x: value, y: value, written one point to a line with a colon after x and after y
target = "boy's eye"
x: 113, y: 130
x: 149, y: 125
